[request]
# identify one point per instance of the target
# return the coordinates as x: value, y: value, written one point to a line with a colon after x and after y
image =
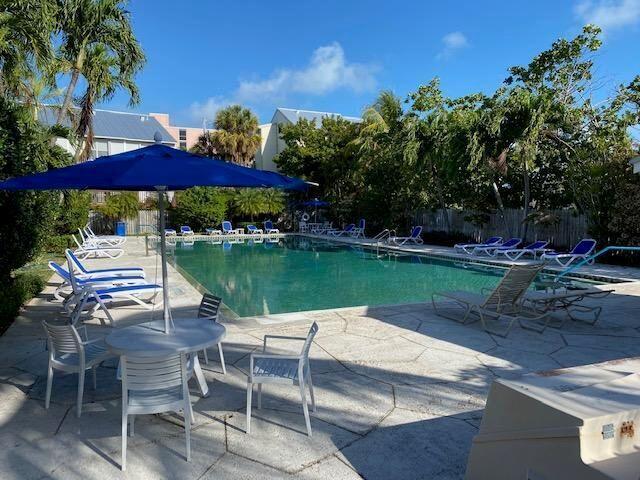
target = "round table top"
x: 149, y: 340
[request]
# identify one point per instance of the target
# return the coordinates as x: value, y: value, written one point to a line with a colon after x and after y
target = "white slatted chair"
x: 154, y: 385
x: 70, y: 354
x: 209, y: 309
x: 293, y: 369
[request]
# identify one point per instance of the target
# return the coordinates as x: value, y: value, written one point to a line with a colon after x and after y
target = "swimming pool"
x: 298, y: 274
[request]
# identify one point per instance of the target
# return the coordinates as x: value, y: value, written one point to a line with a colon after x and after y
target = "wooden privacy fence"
x: 567, y: 230
x: 147, y: 222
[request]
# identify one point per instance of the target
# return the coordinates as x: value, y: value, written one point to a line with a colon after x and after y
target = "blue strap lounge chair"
x: 414, y: 237
x: 227, y: 228
x: 359, y: 230
x: 582, y: 250
x: 170, y: 232
x: 468, y: 247
x: 213, y: 231
x: 534, y: 249
x: 490, y: 249
x: 118, y: 271
x: 268, y: 228
x: 253, y: 230
x: 186, y: 230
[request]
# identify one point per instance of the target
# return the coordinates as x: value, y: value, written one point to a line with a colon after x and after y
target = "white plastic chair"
x: 209, y: 309
x: 154, y: 385
x: 70, y: 354
x: 293, y: 369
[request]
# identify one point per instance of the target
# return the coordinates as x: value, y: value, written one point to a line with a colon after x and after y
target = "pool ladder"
x: 382, y: 238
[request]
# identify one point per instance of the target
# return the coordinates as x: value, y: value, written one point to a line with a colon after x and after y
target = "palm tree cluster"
x: 90, y: 42
x: 236, y: 137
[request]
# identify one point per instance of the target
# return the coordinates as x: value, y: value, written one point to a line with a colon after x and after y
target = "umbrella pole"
x: 163, y: 255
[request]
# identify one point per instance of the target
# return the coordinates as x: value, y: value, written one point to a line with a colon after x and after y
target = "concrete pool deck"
x: 400, y: 393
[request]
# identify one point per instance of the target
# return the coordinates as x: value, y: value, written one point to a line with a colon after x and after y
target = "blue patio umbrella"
x: 156, y: 167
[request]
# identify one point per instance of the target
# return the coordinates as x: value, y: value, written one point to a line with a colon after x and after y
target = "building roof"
x: 115, y: 125
x: 294, y: 115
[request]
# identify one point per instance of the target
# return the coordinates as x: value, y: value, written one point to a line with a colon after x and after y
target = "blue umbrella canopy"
x: 149, y: 168
x: 156, y: 167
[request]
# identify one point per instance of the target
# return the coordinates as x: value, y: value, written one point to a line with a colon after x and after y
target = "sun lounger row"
x: 495, y: 247
x: 350, y: 230
x: 226, y: 229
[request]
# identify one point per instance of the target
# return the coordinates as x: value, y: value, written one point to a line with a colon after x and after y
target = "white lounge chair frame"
x: 287, y: 369
x: 503, y: 303
x: 91, y: 249
x: 109, y: 240
x: 70, y: 354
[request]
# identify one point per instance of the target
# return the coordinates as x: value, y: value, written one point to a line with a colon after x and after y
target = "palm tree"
x: 274, y: 201
x: 88, y: 24
x: 249, y: 201
x: 236, y: 137
x: 204, y: 145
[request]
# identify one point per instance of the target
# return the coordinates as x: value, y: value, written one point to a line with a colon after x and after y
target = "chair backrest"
x: 75, y: 260
x: 251, y: 228
x: 152, y: 373
x: 361, y: 224
x: 62, y: 339
x: 209, y: 307
x: 584, y: 247
x: 185, y: 228
x: 307, y: 343
x: 349, y: 227
x: 268, y: 224
x: 513, y: 285
x: 538, y: 244
x: 512, y: 242
x: 226, y: 226
x: 77, y: 242
x: 90, y: 231
x: 416, y: 231
x: 493, y: 240
x: 83, y: 236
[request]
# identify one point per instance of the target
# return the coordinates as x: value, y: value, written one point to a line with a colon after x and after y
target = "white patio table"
x: 149, y: 340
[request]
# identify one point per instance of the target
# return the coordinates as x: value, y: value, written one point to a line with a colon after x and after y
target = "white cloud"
x: 328, y: 70
x: 609, y: 14
x: 452, y: 42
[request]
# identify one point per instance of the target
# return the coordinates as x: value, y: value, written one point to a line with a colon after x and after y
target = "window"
x: 183, y: 145
x: 100, y: 148
x: 183, y: 135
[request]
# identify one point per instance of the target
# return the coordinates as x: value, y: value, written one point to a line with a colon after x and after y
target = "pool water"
x: 298, y: 274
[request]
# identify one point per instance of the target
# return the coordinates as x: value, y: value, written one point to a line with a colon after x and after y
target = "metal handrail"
x: 383, y: 234
x: 591, y: 258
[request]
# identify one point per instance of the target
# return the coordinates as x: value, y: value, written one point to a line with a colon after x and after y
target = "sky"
x: 336, y: 55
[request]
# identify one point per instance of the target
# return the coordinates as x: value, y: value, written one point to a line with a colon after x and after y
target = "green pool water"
x: 298, y: 274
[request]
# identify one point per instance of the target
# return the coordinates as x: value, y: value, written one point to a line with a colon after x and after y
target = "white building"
x: 272, y: 143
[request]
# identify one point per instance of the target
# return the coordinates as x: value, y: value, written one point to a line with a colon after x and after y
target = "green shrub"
x: 120, y: 206
x: 74, y: 213
x: 58, y: 243
x: 200, y: 207
x: 20, y: 289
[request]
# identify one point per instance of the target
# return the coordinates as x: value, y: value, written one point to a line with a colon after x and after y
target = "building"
x: 186, y: 137
x: 272, y: 144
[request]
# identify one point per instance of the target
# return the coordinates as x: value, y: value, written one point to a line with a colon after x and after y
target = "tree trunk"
x: 440, y: 194
x: 75, y: 74
x: 527, y: 200
x: 496, y: 193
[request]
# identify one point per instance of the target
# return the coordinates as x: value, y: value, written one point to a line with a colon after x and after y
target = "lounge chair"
x: 185, y: 230
x: 468, y: 247
x: 87, y: 234
x: 227, y: 228
x: 89, y: 249
x: 359, y: 230
x: 348, y: 230
x: 504, y: 302
x: 116, y: 271
x: 569, y: 301
x: 170, y: 232
x: 490, y: 250
x: 287, y: 369
x: 582, y: 250
x: 414, y: 237
x: 253, y: 230
x: 534, y: 249
x: 268, y: 228
x: 213, y: 231
x: 69, y: 353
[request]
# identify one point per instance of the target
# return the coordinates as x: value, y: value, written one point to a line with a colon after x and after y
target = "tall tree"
x: 88, y: 25
x: 236, y: 137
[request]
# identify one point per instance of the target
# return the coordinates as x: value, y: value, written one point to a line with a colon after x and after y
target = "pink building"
x: 185, y: 137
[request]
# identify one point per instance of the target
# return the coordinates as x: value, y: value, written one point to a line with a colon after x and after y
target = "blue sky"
x: 335, y: 55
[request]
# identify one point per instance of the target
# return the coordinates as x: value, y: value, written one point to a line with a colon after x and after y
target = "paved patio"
x: 400, y: 394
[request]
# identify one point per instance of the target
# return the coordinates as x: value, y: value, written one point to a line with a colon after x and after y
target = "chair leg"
x: 95, y: 378
x: 224, y: 367
x: 123, y: 462
x: 187, y: 425
x: 305, y: 407
x: 313, y: 397
x: 132, y: 421
x: 249, y: 392
x: 259, y: 396
x: 206, y: 357
x: 47, y: 397
x: 80, y: 391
